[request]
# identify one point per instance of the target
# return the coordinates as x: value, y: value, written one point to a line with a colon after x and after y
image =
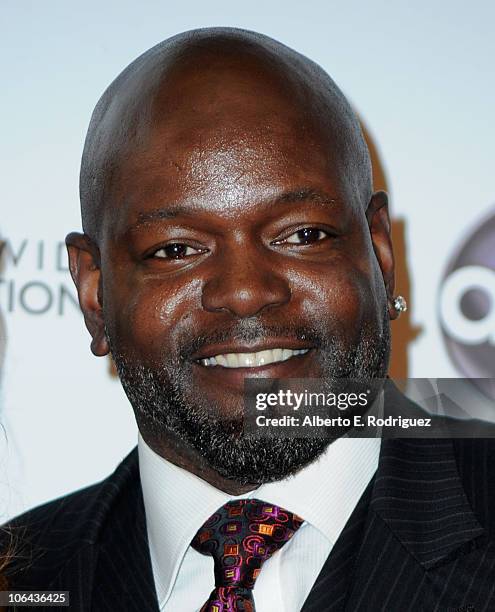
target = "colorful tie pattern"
x: 241, y: 536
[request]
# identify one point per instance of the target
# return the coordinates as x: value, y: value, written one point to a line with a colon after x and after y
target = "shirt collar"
x: 177, y: 502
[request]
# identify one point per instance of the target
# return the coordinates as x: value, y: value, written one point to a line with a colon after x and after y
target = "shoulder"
x: 58, y: 529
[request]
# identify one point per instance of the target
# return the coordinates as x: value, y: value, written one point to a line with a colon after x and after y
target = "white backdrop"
x: 420, y: 74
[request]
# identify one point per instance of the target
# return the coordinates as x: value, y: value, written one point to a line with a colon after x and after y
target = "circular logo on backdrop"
x: 467, y: 305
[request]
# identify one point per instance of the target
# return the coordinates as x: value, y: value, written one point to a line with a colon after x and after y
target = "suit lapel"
x: 123, y: 573
x: 77, y: 578
x: 413, y: 520
x: 419, y: 495
x: 419, y: 523
x: 335, y: 579
x: 124, y: 577
x: 111, y: 569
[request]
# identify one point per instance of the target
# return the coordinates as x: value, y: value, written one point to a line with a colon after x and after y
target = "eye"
x: 306, y: 235
x: 176, y: 250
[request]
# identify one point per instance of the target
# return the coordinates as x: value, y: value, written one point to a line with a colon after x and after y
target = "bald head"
x: 217, y: 86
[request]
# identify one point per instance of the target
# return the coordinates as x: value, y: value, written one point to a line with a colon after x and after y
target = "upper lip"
x: 221, y: 349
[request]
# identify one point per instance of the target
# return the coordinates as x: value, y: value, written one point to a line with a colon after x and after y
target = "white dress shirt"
x: 177, y: 503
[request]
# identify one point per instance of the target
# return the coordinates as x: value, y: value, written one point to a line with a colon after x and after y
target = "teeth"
x: 252, y: 360
x: 263, y: 357
x: 221, y: 360
x: 246, y: 360
x: 232, y: 360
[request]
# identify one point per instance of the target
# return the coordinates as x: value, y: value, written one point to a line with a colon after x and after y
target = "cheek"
x: 338, y: 292
x: 155, y: 311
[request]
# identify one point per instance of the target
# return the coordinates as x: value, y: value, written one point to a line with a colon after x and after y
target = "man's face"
x: 236, y: 248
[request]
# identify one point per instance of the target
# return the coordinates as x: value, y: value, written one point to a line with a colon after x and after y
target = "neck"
x: 173, y: 449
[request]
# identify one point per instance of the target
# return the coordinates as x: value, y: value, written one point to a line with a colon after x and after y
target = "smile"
x: 252, y: 360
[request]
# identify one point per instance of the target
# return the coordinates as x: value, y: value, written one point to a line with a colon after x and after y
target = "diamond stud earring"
x: 400, y: 304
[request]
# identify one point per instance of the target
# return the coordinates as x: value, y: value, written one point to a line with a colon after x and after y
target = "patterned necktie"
x: 241, y: 536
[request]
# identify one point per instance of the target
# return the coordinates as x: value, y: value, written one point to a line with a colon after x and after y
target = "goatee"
x: 165, y: 406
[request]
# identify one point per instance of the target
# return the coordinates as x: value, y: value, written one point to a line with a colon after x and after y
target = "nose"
x: 244, y: 284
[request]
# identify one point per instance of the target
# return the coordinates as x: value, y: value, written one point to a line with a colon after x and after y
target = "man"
x: 231, y: 232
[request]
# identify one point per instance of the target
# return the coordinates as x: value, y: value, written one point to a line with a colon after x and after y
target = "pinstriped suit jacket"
x: 421, y: 539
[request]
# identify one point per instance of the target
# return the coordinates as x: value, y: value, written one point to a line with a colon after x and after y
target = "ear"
x: 379, y: 224
x: 84, y: 265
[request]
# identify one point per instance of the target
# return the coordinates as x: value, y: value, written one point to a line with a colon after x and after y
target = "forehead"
x: 224, y: 138
x: 226, y: 166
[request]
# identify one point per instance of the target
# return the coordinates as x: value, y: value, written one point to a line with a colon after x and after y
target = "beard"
x: 166, y: 406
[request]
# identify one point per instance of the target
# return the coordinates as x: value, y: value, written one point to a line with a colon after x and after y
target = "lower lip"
x: 294, y: 367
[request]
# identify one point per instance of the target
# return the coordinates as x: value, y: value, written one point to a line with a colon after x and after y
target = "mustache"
x: 250, y: 331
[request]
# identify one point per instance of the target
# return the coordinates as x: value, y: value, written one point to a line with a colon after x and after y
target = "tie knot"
x: 241, y: 536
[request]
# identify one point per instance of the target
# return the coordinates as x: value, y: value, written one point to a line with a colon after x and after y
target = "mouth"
x: 227, y: 365
x: 234, y: 360
x: 223, y: 367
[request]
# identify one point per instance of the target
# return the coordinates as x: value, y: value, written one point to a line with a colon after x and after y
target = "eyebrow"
x: 304, y: 194
x: 293, y: 196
